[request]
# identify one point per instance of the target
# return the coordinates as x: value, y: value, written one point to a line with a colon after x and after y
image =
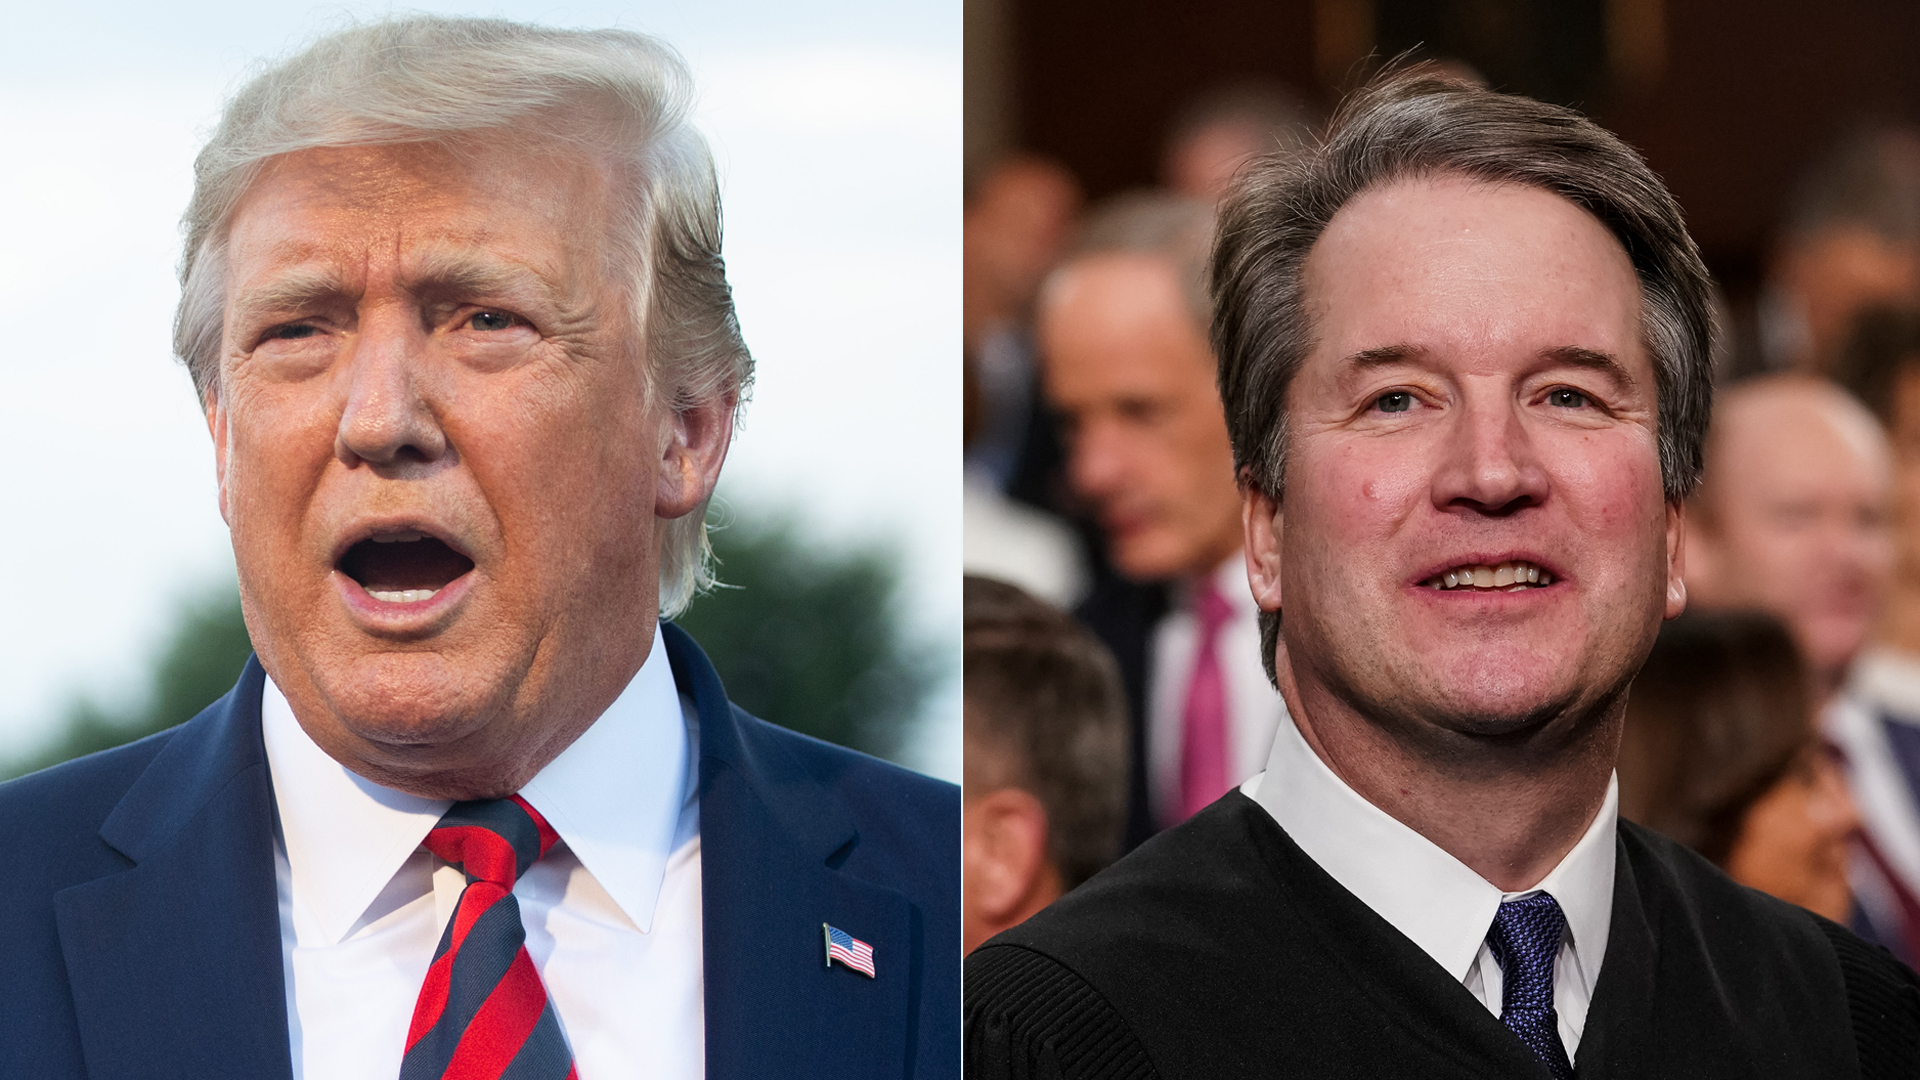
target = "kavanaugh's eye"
x: 1568, y: 399
x: 1394, y: 401
x: 492, y: 320
x: 292, y: 333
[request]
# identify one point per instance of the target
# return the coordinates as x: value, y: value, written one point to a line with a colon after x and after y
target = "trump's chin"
x: 405, y: 711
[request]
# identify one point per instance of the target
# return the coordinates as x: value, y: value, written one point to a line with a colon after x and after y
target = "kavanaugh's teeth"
x: 1510, y: 576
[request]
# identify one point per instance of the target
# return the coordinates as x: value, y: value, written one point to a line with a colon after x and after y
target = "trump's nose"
x: 387, y: 420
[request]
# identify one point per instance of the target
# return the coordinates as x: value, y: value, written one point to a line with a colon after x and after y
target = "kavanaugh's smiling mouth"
x: 1510, y: 576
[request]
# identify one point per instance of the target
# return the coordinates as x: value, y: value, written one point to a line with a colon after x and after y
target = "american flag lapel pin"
x: 849, y: 950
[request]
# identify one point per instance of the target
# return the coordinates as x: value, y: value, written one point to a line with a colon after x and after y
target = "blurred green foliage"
x: 200, y: 660
x: 811, y: 637
x: 802, y: 636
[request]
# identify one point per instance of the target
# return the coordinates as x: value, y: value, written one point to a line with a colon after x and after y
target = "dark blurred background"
x: 804, y: 633
x: 1730, y: 100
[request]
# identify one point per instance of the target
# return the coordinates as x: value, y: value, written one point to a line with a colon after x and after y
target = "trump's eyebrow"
x: 436, y: 275
x: 292, y: 290
x: 439, y: 274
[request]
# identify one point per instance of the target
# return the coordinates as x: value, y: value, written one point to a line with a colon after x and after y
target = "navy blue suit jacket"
x: 140, y: 933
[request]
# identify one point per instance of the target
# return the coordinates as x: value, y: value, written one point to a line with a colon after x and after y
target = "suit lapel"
x: 769, y: 836
x: 175, y: 964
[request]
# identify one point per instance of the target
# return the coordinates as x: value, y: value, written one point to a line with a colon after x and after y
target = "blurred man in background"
x: 1046, y: 757
x: 1850, y: 241
x: 1792, y: 519
x: 1019, y: 214
x: 1881, y: 366
x: 1127, y: 367
x: 1215, y: 136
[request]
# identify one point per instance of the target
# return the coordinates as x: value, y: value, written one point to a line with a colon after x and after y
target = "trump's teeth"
x: 1511, y: 576
x: 398, y: 538
x: 402, y: 596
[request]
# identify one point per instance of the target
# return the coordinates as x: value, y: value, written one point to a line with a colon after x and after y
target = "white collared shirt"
x: 612, y: 912
x: 1254, y: 708
x: 1432, y: 897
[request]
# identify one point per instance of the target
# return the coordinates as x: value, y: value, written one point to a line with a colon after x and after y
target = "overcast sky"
x: 837, y: 130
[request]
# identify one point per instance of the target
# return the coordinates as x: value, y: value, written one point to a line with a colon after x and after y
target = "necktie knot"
x: 482, y: 1010
x: 492, y: 840
x: 1525, y: 939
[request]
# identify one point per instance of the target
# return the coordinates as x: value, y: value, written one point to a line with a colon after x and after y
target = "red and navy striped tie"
x: 483, y: 1013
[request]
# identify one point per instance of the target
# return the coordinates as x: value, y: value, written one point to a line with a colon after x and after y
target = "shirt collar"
x: 622, y: 797
x: 1425, y: 893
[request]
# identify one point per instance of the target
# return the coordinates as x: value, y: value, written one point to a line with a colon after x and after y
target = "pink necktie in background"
x: 1203, y: 722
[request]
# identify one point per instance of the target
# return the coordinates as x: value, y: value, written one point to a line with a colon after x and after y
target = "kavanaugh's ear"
x: 1678, y: 557
x: 1260, y: 520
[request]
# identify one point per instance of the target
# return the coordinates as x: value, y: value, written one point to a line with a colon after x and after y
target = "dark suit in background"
x: 1123, y: 615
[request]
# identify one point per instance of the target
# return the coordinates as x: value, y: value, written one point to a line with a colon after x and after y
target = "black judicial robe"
x: 1219, y: 949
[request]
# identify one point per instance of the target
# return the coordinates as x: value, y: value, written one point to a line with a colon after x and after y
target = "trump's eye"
x: 1394, y: 401
x: 292, y: 333
x: 492, y: 320
x: 1568, y: 399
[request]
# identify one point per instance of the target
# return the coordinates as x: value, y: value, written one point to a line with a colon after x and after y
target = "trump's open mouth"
x: 403, y: 567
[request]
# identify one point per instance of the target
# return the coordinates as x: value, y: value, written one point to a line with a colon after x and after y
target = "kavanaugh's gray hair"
x: 1410, y: 124
x: 619, y: 96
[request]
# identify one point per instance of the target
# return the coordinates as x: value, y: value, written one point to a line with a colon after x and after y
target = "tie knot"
x: 493, y: 840
x: 1210, y: 608
x: 1525, y: 939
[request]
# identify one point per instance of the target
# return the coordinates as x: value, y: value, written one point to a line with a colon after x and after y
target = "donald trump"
x: 454, y: 305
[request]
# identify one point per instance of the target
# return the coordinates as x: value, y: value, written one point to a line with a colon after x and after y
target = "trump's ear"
x: 217, y: 427
x: 1261, y: 520
x: 695, y: 446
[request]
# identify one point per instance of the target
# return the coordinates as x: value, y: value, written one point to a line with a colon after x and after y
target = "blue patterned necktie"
x: 1525, y: 939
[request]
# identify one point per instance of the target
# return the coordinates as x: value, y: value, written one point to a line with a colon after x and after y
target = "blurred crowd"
x: 1113, y: 663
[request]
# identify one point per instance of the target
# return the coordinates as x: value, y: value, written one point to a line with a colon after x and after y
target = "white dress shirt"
x: 1254, y: 708
x: 612, y: 912
x: 1432, y: 897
